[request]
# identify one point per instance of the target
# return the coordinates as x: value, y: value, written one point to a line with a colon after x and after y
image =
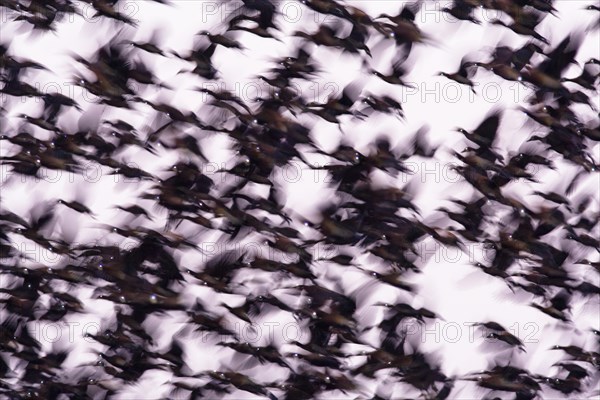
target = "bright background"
x: 448, y: 284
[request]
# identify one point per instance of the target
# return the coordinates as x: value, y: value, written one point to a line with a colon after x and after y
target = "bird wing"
x: 489, y: 127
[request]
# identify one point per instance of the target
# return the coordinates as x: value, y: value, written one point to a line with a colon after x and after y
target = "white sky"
x: 452, y: 289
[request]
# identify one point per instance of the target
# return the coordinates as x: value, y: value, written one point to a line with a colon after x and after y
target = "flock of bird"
x: 544, y: 254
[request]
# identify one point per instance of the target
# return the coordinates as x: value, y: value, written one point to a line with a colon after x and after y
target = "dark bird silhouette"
x: 221, y: 40
x: 383, y: 104
x: 558, y: 307
x: 462, y: 10
x: 524, y: 23
x: 76, y: 206
x: 463, y: 75
x: 548, y: 74
x: 337, y: 106
x: 395, y: 77
x: 202, y: 58
x: 485, y: 134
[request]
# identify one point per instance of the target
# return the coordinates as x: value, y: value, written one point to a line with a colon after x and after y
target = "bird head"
x: 308, y: 223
